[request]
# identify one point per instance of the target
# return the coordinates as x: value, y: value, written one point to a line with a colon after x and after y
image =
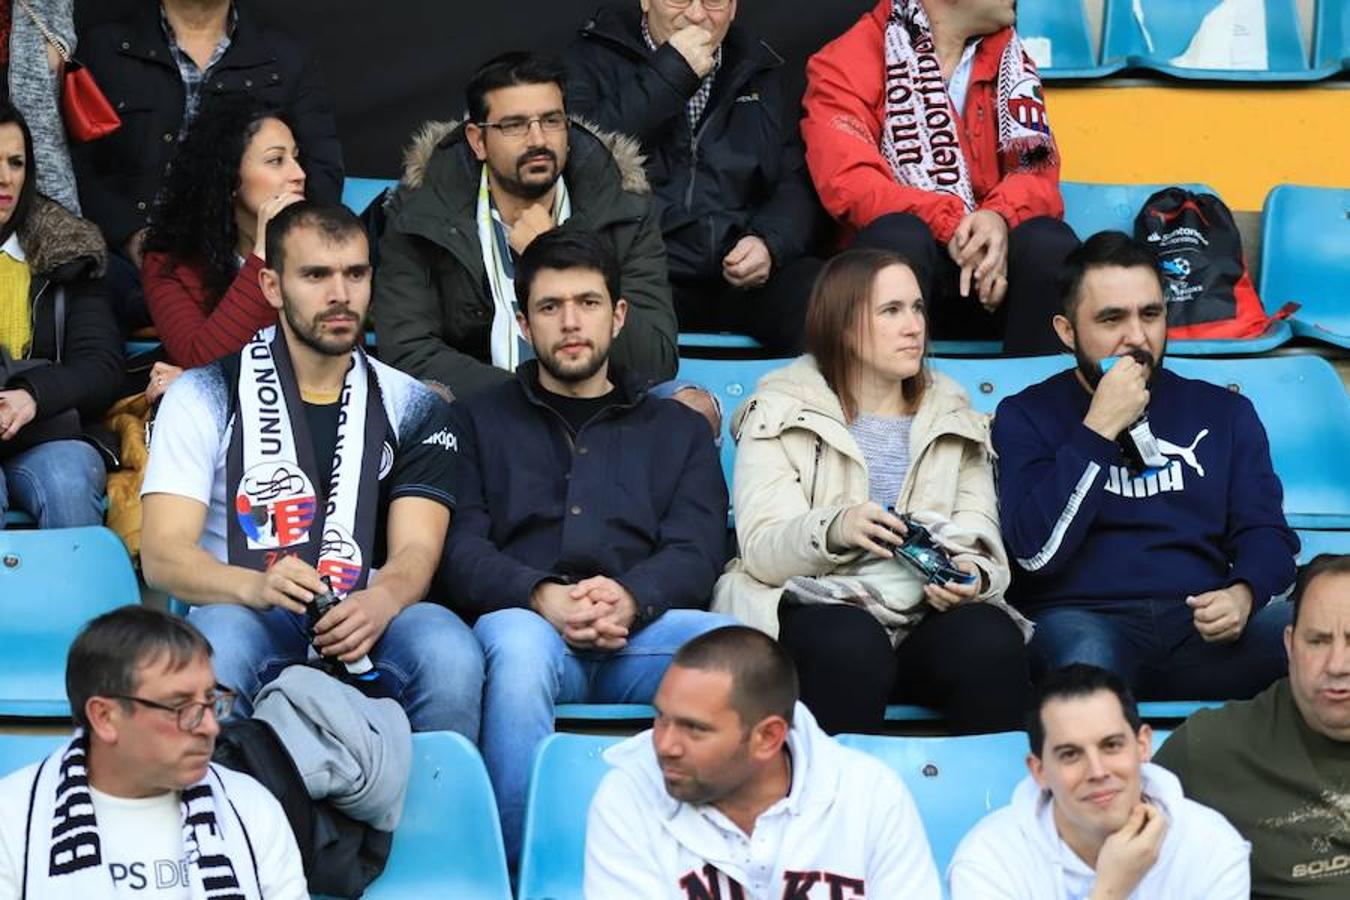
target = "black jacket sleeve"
x: 790, y: 218
x: 630, y: 96
x: 316, y: 134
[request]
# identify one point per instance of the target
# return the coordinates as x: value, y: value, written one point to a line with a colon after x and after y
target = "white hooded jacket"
x: 848, y: 828
x: 1016, y: 852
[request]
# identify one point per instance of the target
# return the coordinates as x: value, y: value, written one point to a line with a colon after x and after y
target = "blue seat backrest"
x: 51, y: 582
x: 1305, y: 251
x: 1090, y: 208
x: 1306, y: 414
x: 1064, y: 24
x: 989, y: 380
x: 19, y: 750
x: 1172, y: 23
x: 448, y: 843
x: 955, y: 781
x: 733, y: 381
x: 567, y: 771
x: 358, y: 193
x: 1314, y: 543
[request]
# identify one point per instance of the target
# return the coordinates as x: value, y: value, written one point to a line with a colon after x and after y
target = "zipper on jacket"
x: 32, y: 324
x: 815, y: 471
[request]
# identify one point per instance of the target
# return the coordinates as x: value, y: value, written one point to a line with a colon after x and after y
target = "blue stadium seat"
x: 51, y: 582
x: 19, y: 750
x: 1331, y: 35
x: 449, y: 805
x: 640, y: 714
x: 1090, y: 208
x: 449, y: 843
x: 1313, y: 543
x: 732, y: 380
x: 955, y: 781
x: 1172, y: 23
x: 17, y: 518
x: 1305, y: 258
x: 1307, y: 438
x: 567, y: 771
x: 988, y: 381
x: 359, y: 193
x: 704, y: 340
x: 1063, y: 24
x: 137, y: 347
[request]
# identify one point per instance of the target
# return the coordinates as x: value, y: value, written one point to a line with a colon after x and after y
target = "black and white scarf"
x: 63, y: 858
x: 278, y: 509
x: 920, y: 136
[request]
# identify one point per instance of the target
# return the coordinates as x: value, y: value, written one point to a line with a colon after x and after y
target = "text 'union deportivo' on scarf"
x: 278, y: 508
x: 920, y: 135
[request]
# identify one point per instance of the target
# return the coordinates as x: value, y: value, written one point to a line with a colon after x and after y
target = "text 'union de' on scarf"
x: 277, y: 506
x: 920, y: 136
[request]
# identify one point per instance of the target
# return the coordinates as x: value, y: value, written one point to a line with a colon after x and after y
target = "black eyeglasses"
x: 190, y: 714
x: 518, y: 126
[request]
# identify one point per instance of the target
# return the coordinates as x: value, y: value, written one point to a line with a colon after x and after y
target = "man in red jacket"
x: 926, y: 133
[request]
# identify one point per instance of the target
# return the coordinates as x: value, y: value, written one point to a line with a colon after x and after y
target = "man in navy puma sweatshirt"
x: 1161, y: 573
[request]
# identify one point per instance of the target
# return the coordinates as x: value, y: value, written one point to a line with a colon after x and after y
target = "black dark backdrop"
x: 391, y: 64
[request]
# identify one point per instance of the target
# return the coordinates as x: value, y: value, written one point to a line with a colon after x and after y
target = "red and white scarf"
x: 920, y: 134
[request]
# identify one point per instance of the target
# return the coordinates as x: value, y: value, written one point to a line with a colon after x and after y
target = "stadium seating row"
x: 1305, y: 259
x: 1058, y: 36
x: 954, y: 781
x: 449, y: 843
x: 1308, y: 438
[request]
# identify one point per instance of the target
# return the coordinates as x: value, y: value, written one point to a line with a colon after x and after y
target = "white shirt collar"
x: 13, y: 249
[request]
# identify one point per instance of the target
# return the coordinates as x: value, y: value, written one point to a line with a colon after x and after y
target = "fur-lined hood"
x: 53, y: 237
x: 432, y: 136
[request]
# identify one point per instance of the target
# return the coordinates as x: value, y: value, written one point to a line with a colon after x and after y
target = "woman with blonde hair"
x: 831, y: 451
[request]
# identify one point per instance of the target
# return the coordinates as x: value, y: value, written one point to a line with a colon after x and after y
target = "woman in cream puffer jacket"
x: 800, y: 471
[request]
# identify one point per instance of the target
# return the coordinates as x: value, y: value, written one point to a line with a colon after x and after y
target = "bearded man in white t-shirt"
x: 132, y: 805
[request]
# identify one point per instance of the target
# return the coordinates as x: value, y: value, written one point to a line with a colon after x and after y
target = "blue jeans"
x: 429, y: 655
x: 59, y: 483
x: 1154, y: 647
x: 530, y: 668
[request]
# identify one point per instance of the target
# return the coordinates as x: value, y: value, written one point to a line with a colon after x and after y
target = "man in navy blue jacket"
x: 1162, y: 573
x: 591, y: 522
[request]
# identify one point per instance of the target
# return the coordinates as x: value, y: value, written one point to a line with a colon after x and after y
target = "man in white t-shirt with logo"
x: 301, y: 458
x: 132, y: 805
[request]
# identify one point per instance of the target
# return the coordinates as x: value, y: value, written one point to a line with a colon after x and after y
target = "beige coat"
x: 797, y: 468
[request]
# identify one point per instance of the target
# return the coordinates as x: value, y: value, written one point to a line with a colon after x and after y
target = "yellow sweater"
x: 16, y: 324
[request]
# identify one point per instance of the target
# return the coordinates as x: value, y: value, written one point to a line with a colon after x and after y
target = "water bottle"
x: 362, y: 670
x: 1137, y: 443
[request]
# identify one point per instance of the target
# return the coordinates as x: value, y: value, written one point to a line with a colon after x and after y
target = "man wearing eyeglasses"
x: 719, y: 134
x: 473, y: 196
x: 132, y: 805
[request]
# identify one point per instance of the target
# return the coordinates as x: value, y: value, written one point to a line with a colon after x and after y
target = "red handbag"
x: 87, y: 113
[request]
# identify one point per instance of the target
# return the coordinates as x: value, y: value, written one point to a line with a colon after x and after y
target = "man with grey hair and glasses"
x: 132, y: 802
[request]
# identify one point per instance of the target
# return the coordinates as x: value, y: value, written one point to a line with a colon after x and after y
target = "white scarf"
x: 920, y: 135
x: 507, y: 341
x: 63, y: 857
x: 273, y: 475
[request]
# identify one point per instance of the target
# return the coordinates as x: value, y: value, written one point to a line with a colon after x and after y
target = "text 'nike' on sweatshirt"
x: 1080, y: 527
x: 847, y: 829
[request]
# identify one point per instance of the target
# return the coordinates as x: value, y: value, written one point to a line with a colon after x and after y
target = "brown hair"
x: 840, y: 306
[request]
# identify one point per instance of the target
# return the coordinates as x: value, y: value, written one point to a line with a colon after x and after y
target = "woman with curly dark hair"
x: 238, y: 167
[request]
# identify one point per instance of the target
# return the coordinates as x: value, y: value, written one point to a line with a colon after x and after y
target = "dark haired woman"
x: 238, y: 167
x: 60, y: 355
x: 824, y: 447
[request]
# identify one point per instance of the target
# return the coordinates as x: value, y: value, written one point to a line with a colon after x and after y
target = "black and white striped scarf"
x: 63, y: 857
